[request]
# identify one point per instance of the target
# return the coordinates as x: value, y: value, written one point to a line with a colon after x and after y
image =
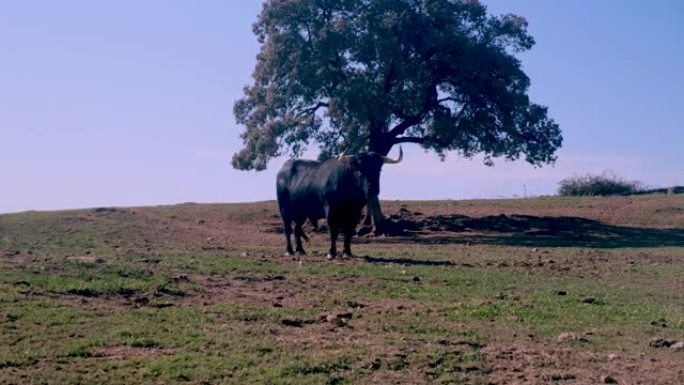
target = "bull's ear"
x: 394, y: 161
x: 347, y: 159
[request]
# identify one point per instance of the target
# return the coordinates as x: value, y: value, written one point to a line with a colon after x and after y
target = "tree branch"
x: 408, y: 139
x: 312, y: 110
x: 449, y: 99
x: 404, y: 125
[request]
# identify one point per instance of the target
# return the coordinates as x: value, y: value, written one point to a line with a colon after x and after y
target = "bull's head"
x: 367, y: 167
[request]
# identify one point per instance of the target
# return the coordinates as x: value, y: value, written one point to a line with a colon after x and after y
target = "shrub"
x: 604, y: 184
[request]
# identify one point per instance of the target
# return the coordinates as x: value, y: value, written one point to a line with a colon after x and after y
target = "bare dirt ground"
x: 414, y: 306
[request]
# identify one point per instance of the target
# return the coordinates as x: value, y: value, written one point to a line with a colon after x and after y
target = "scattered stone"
x: 605, y: 379
x: 355, y: 305
x: 245, y: 254
x: 613, y: 357
x: 181, y: 278
x: 561, y: 292
x: 209, y: 239
x: 661, y: 322
x: 297, y: 323
x: 140, y: 301
x: 200, y: 221
x: 560, y: 377
x: 85, y: 259
x: 588, y: 299
x: 571, y: 337
x: 339, y: 320
x: 658, y: 342
x: 678, y: 346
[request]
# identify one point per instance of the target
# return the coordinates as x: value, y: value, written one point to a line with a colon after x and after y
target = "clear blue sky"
x: 130, y: 102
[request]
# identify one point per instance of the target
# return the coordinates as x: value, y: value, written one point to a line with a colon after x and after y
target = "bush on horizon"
x: 604, y: 184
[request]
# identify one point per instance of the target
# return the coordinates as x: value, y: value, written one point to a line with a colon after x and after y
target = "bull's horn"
x: 342, y: 155
x: 394, y: 161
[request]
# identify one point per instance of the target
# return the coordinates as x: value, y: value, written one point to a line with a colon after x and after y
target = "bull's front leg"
x: 348, y: 234
x: 332, y: 230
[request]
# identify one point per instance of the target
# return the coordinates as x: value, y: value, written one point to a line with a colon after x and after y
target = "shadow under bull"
x: 517, y: 230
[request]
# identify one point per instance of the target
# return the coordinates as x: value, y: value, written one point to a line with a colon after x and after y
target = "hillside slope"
x: 532, y: 291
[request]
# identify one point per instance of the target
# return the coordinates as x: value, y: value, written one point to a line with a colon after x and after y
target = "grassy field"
x: 476, y: 292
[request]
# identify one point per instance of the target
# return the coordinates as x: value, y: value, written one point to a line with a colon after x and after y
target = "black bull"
x: 336, y: 190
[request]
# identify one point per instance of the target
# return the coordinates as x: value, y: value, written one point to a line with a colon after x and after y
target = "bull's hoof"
x: 330, y: 257
x: 347, y: 255
x: 300, y: 253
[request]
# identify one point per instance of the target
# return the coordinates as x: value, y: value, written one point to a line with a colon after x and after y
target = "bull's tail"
x: 299, y: 232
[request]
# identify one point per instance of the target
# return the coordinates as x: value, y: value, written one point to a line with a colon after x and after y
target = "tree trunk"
x: 381, y: 144
x: 374, y: 217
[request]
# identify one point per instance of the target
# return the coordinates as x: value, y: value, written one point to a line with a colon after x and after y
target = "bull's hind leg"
x: 299, y: 234
x: 288, y: 233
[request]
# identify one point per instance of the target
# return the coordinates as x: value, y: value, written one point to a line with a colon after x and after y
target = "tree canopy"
x: 360, y: 75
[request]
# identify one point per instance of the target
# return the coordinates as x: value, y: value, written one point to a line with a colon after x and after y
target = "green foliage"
x: 604, y: 184
x: 369, y: 74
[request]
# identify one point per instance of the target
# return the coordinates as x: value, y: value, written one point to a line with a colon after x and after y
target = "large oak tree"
x: 364, y: 75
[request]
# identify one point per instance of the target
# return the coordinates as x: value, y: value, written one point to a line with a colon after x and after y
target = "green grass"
x: 426, y: 309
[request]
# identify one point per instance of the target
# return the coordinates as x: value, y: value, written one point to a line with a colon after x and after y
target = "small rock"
x: 613, y: 357
x: 339, y: 320
x: 605, y: 379
x: 658, y: 342
x: 181, y: 278
x: 571, y: 337
x: 200, y: 221
x: 245, y: 254
x: 678, y: 346
x: 293, y: 322
x: 561, y: 292
x: 661, y: 322
x: 85, y: 259
x: 140, y: 301
x: 355, y: 305
x: 588, y: 299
